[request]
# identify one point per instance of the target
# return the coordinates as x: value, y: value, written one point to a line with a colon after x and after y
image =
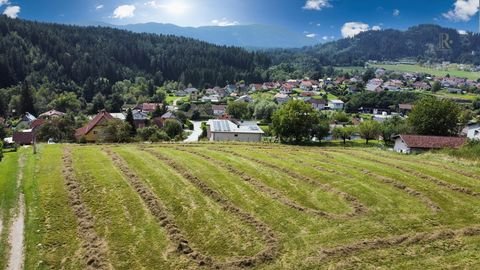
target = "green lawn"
x: 171, y: 99
x: 268, y: 206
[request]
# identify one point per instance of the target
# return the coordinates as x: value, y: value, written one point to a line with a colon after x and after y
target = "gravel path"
x: 15, y: 236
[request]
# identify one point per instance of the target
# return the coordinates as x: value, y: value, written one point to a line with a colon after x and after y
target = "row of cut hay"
x: 158, y: 210
x: 358, y: 208
x: 383, y: 179
x: 95, y: 250
x: 271, y: 250
x: 271, y: 192
x: 413, y: 172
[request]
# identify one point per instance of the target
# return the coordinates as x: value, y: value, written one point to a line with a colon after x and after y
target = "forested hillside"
x: 419, y: 43
x: 77, y: 56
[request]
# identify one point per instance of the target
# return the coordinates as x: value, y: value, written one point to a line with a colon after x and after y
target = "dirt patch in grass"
x: 420, y: 175
x: 95, y: 248
x: 159, y: 211
x: 271, y: 250
x: 358, y: 208
x: 394, y: 241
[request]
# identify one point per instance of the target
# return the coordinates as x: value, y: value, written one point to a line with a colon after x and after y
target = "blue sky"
x: 319, y: 19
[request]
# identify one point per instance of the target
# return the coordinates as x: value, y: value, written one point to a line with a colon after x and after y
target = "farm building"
x: 225, y: 130
x: 415, y: 143
x: 93, y: 130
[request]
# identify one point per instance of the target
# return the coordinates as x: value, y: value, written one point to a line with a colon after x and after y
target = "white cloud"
x: 4, y: 2
x: 462, y: 32
x: 12, y: 11
x: 327, y: 38
x: 99, y: 7
x: 318, y: 25
x: 376, y: 28
x: 351, y: 29
x: 124, y: 11
x: 224, y: 22
x: 316, y: 4
x: 311, y: 35
x: 463, y: 10
x: 396, y: 12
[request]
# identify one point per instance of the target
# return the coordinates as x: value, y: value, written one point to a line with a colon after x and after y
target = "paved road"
x: 197, y: 131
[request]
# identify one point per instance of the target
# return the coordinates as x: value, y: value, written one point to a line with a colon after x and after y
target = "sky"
x: 319, y: 19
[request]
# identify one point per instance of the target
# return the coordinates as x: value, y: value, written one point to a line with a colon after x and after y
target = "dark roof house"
x: 416, y: 143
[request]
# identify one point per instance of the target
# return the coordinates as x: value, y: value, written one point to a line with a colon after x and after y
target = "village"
x: 240, y: 112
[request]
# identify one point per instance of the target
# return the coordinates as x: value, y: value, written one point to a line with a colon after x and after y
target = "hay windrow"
x: 443, y: 166
x: 358, y: 207
x: 423, y: 176
x: 271, y: 192
x: 272, y: 245
x: 386, y: 180
x: 94, y: 247
x: 159, y: 211
x: 392, y: 242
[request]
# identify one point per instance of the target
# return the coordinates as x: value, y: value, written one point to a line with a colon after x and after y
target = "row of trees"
x: 297, y: 122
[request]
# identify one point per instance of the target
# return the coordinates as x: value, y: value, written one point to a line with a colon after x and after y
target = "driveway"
x: 197, y: 131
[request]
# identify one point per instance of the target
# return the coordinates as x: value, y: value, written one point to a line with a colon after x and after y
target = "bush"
x: 468, y: 151
x: 153, y: 134
x: 173, y: 128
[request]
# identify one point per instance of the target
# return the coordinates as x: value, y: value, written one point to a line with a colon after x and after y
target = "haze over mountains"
x: 247, y: 36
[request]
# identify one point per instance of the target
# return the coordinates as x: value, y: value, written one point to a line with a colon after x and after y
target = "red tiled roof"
x: 432, y: 142
x: 93, y: 123
x: 37, y: 123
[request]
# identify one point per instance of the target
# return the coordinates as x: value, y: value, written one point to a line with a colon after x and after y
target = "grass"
x: 135, y: 239
x: 172, y: 98
x: 8, y: 199
x: 439, y: 73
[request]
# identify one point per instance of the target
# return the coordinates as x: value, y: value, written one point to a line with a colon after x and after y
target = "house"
x: 473, y: 131
x: 193, y: 92
x: 93, y: 131
x: 160, y: 121
x: 211, y: 98
x: 421, y: 86
x: 51, y: 114
x: 244, y: 98
x: 374, y: 85
x: 336, y: 104
x: 256, y: 87
x: 219, y: 110
x: 281, y: 98
x: 415, y: 143
x: 140, y: 119
x: 225, y: 130
x: 286, y: 88
x: 148, y: 107
x: 306, y: 85
x: 26, y: 120
x: 317, y: 104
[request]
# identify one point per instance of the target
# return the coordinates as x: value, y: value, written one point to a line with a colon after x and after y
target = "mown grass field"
x: 242, y: 206
x: 454, y: 72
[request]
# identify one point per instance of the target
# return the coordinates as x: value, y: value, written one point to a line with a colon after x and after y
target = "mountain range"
x: 246, y: 36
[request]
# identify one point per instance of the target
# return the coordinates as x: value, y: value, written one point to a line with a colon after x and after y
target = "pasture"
x: 239, y: 206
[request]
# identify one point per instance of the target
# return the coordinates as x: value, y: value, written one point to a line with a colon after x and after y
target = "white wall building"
x: 473, y: 132
x: 225, y: 130
x: 336, y: 104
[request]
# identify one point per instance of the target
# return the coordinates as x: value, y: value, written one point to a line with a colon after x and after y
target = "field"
x: 454, y: 72
x: 240, y: 206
